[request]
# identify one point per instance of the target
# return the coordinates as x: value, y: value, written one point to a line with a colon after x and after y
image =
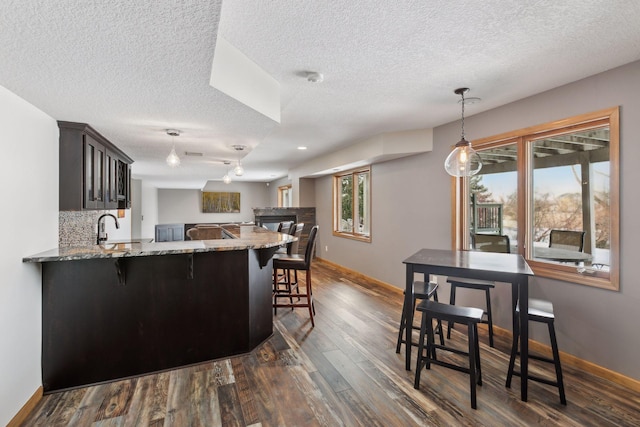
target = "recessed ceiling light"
x: 314, y: 77
x: 302, y: 148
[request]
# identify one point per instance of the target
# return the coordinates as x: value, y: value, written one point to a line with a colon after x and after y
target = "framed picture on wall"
x: 220, y: 202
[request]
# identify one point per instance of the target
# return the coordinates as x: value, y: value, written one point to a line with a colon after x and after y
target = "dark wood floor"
x: 342, y: 372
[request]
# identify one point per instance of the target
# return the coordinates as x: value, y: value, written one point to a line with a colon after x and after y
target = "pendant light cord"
x: 462, y: 94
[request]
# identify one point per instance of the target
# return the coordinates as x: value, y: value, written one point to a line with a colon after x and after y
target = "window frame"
x: 524, y: 138
x: 281, y: 191
x: 337, y: 192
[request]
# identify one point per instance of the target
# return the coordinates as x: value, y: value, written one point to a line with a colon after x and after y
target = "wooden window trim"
x: 336, y: 217
x: 280, y: 190
x: 521, y: 137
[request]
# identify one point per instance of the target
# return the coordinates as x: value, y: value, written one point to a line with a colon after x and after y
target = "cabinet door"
x: 177, y: 232
x: 162, y: 234
x: 124, y: 185
x: 169, y: 232
x: 94, y: 159
x: 111, y: 181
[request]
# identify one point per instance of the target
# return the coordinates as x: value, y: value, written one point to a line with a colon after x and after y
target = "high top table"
x: 509, y: 268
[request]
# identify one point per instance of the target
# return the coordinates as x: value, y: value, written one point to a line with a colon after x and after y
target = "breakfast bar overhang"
x: 122, y: 310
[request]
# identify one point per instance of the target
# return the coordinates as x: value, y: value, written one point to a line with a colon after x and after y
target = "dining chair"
x: 567, y: 239
x: 204, y: 232
x: 283, y: 227
x: 296, y: 263
x: 539, y: 311
x: 484, y: 243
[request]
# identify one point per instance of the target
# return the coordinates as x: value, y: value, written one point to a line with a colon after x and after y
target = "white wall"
x: 136, y: 208
x: 29, y: 190
x: 185, y: 206
x: 148, y: 210
x: 412, y: 209
x: 144, y: 209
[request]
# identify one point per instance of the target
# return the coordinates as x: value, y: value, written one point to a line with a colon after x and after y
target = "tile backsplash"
x: 77, y: 228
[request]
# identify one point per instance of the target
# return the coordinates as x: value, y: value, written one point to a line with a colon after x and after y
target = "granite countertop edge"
x: 248, y: 238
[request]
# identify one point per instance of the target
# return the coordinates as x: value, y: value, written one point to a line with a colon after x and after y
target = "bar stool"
x: 450, y: 313
x: 539, y: 311
x: 480, y: 285
x: 420, y: 291
x: 296, y: 262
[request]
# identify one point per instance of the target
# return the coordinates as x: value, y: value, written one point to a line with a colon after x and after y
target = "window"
x: 352, y: 204
x: 553, y: 189
x: 284, y: 196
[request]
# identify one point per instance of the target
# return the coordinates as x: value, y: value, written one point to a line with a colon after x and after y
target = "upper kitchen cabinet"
x: 94, y: 173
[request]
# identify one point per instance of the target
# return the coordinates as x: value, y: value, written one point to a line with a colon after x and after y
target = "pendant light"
x: 239, y: 170
x: 172, y: 159
x: 226, y: 178
x: 463, y: 160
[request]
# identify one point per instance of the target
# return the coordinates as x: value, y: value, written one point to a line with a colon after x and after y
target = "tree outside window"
x: 352, y: 208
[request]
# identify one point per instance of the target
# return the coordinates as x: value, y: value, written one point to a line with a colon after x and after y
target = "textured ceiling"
x: 132, y: 69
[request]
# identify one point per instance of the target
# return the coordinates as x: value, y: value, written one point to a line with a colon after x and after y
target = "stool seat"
x: 539, y: 308
x: 539, y: 311
x: 449, y: 313
x: 481, y: 285
x: 471, y: 283
x: 421, y: 290
x: 424, y: 290
x: 454, y: 313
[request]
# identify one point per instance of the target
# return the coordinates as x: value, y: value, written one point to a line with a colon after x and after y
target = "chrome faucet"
x: 102, y: 236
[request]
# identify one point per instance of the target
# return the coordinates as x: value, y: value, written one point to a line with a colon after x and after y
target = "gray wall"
x: 412, y: 209
x: 185, y: 206
x: 273, y: 191
x: 307, y: 193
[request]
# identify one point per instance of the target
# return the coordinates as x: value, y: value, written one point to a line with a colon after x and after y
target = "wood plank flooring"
x: 342, y: 372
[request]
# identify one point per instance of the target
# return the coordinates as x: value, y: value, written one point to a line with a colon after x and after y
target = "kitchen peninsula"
x: 118, y: 310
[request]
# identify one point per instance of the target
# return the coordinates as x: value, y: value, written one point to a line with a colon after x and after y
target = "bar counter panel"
x: 96, y: 329
x: 119, y: 310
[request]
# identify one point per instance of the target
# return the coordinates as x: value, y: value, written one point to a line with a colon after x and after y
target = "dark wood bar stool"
x: 539, y: 311
x: 449, y: 313
x: 480, y: 285
x: 282, y: 282
x: 421, y: 290
x: 295, y: 262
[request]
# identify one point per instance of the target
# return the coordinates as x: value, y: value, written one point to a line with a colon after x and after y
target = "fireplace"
x: 271, y: 217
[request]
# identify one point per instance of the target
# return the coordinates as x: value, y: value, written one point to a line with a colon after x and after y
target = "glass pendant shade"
x: 238, y: 169
x: 172, y: 159
x: 463, y: 160
x: 226, y: 178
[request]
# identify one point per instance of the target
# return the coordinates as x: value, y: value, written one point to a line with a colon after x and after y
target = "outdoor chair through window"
x: 567, y: 239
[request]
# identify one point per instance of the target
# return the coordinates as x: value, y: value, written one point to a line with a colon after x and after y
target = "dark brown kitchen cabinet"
x: 94, y: 173
x: 111, y: 181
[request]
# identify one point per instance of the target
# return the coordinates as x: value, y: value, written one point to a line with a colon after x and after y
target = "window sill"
x: 359, y: 237
x: 598, y: 279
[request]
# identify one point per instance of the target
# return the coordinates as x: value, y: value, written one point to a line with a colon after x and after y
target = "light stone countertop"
x: 244, y: 237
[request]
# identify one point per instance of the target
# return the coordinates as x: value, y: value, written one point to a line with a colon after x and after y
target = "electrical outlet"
x: 326, y: 248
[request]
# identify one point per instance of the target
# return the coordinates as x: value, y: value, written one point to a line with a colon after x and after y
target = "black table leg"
x: 408, y: 303
x: 524, y: 336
